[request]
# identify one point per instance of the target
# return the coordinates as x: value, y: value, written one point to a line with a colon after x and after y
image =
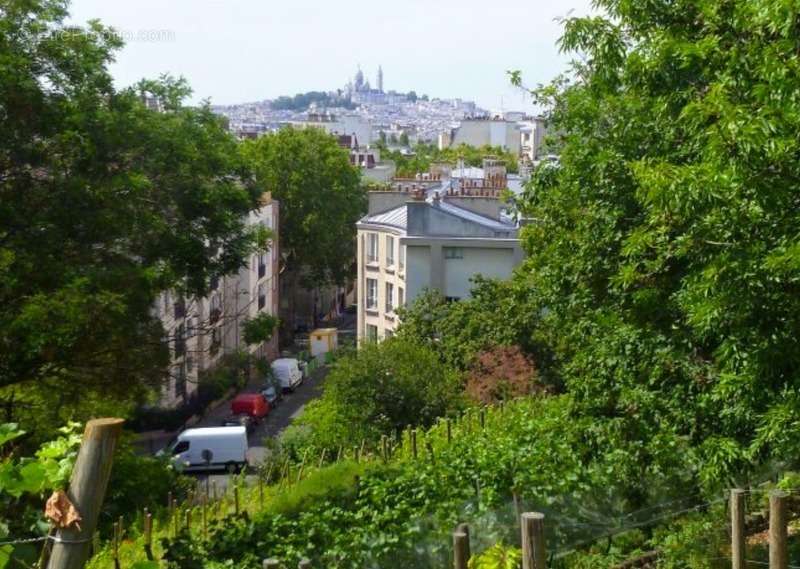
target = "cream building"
x: 436, y: 232
x: 201, y: 330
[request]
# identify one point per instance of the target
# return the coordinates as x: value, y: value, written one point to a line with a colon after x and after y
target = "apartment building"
x: 436, y: 232
x: 201, y: 330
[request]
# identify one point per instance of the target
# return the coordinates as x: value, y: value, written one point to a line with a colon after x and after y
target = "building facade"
x: 435, y: 233
x: 200, y: 331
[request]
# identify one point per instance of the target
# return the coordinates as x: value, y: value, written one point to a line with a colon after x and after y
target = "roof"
x: 212, y: 431
x: 398, y: 217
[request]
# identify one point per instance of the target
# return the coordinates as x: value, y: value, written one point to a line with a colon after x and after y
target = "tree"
x: 103, y: 204
x: 321, y: 200
x: 665, y: 253
x: 404, y: 138
x: 377, y: 390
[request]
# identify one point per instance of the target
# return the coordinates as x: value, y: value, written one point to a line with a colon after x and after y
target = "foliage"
x: 402, y: 513
x: 260, y: 328
x: 320, y: 195
x: 302, y: 101
x: 24, y: 481
x: 498, y: 556
x: 497, y: 313
x: 664, y: 251
x: 499, y: 374
x: 426, y: 154
x: 104, y: 203
x: 137, y: 482
x: 377, y: 391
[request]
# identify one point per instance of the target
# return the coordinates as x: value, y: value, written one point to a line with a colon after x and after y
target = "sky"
x: 236, y: 51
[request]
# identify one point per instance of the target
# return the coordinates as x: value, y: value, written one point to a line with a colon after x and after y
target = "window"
x: 180, y: 307
x: 372, y: 333
x: 215, y: 308
x: 389, y: 297
x: 182, y: 446
x: 402, y: 257
x: 401, y: 296
x: 388, y: 334
x: 262, y: 296
x: 372, y: 294
x: 180, y: 383
x: 389, y: 250
x: 372, y: 247
x: 453, y: 253
x: 180, y: 341
x: 262, y: 265
x: 452, y: 298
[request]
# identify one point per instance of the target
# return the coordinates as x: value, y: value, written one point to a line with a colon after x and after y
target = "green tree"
x: 377, y: 390
x: 404, y: 138
x: 665, y: 252
x: 321, y: 199
x: 103, y: 204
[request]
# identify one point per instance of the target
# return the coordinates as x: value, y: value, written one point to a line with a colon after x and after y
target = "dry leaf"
x: 61, y: 512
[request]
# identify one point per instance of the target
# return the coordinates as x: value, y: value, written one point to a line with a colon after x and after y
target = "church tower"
x: 380, y: 79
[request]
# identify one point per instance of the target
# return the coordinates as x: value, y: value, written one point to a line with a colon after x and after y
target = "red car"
x: 251, y: 404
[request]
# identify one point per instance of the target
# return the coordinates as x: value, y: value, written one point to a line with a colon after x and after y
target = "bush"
x: 375, y: 391
x: 501, y: 373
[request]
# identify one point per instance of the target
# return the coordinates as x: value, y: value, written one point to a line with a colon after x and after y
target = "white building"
x: 436, y: 232
x: 201, y: 330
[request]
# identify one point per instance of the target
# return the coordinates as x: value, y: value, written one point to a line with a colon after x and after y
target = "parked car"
x: 251, y: 404
x: 245, y: 421
x: 287, y: 372
x: 211, y: 448
x: 271, y: 394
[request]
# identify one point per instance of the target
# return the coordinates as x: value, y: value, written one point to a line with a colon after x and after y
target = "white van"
x: 287, y: 372
x: 211, y: 448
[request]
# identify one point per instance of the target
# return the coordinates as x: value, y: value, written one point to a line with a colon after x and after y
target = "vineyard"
x: 397, y: 504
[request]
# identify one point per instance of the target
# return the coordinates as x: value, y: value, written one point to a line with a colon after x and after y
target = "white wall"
x: 491, y: 263
x: 418, y: 270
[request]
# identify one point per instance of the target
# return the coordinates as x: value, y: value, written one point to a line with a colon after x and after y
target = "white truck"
x: 287, y: 372
x: 211, y: 448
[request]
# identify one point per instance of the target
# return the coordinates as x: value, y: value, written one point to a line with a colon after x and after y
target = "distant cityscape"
x: 370, y: 112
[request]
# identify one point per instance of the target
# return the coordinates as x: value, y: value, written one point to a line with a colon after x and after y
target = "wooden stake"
x: 87, y: 489
x: 322, y: 458
x: 533, y: 552
x: 483, y: 418
x: 414, y: 443
x: 737, y: 529
x: 236, y: 500
x: 148, y: 534
x: 115, y: 545
x: 429, y: 446
x: 460, y: 550
x: 449, y: 430
x: 188, y: 519
x: 778, y: 554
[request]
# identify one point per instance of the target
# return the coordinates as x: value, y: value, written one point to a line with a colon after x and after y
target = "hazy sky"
x: 234, y: 51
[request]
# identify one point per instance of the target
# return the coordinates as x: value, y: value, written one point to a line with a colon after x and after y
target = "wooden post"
x: 322, y: 458
x: 260, y: 493
x: 355, y: 453
x: 385, y: 448
x: 148, y: 535
x: 460, y: 550
x: 188, y: 520
x: 87, y: 489
x: 236, y: 500
x: 429, y: 446
x: 204, y: 517
x: 414, y: 443
x: 449, y: 430
x: 304, y: 564
x: 778, y: 555
x: 737, y: 529
x: 483, y: 417
x: 115, y: 544
x: 271, y: 564
x: 533, y: 553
